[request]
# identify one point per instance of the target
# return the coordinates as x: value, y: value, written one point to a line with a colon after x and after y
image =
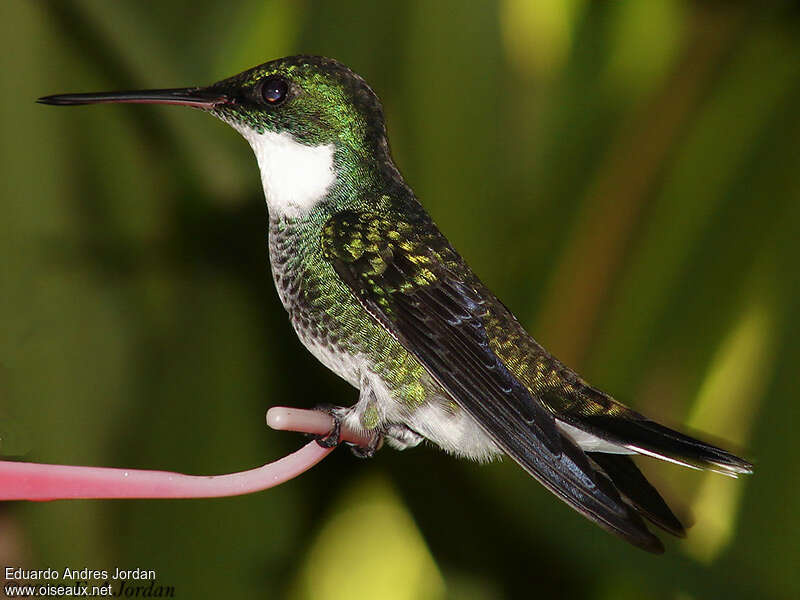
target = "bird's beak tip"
x: 194, y: 97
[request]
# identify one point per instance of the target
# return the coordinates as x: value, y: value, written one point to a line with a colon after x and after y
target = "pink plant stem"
x: 34, y: 481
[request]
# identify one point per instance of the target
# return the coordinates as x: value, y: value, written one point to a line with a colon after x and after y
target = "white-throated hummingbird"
x: 379, y: 296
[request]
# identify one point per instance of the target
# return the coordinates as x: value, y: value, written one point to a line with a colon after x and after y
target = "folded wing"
x: 412, y: 282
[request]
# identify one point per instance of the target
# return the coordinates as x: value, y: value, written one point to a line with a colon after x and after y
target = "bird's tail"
x: 637, y: 491
x: 640, y: 435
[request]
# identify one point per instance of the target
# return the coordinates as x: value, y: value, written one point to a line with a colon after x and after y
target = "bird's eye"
x: 274, y: 91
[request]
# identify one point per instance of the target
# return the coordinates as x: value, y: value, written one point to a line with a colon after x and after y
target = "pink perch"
x: 35, y: 481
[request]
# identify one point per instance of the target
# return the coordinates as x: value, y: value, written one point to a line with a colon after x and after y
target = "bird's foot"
x: 333, y: 437
x: 368, y: 451
x: 400, y: 436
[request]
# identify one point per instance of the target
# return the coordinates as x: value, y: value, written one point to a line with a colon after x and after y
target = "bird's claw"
x: 369, y: 450
x: 334, y: 436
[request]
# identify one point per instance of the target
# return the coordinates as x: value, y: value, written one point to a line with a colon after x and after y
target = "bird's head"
x: 309, y: 120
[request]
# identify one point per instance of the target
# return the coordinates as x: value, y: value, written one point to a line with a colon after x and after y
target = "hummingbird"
x: 378, y: 294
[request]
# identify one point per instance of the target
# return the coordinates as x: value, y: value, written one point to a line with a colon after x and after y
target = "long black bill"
x: 194, y: 97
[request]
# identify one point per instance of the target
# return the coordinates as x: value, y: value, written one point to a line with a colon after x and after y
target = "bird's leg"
x: 365, y: 416
x: 333, y: 437
x: 400, y: 436
x: 397, y: 435
x: 368, y: 451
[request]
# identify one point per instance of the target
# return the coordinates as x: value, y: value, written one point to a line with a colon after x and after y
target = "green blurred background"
x: 625, y: 175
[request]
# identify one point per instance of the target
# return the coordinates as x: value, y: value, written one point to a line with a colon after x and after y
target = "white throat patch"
x: 295, y: 176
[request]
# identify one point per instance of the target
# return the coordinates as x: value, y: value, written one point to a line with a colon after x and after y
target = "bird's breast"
x: 322, y: 314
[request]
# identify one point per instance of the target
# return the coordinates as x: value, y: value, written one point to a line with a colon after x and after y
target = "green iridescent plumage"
x: 376, y: 292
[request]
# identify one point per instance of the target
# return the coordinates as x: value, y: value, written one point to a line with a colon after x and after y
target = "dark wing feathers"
x: 635, y: 488
x: 416, y: 286
x: 648, y: 437
x: 592, y: 411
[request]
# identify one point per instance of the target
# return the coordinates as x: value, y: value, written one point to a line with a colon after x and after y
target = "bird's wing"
x: 637, y: 491
x: 414, y: 284
x: 597, y: 414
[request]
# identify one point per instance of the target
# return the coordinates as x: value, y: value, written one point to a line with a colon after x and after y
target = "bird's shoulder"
x: 367, y: 241
x: 397, y: 250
